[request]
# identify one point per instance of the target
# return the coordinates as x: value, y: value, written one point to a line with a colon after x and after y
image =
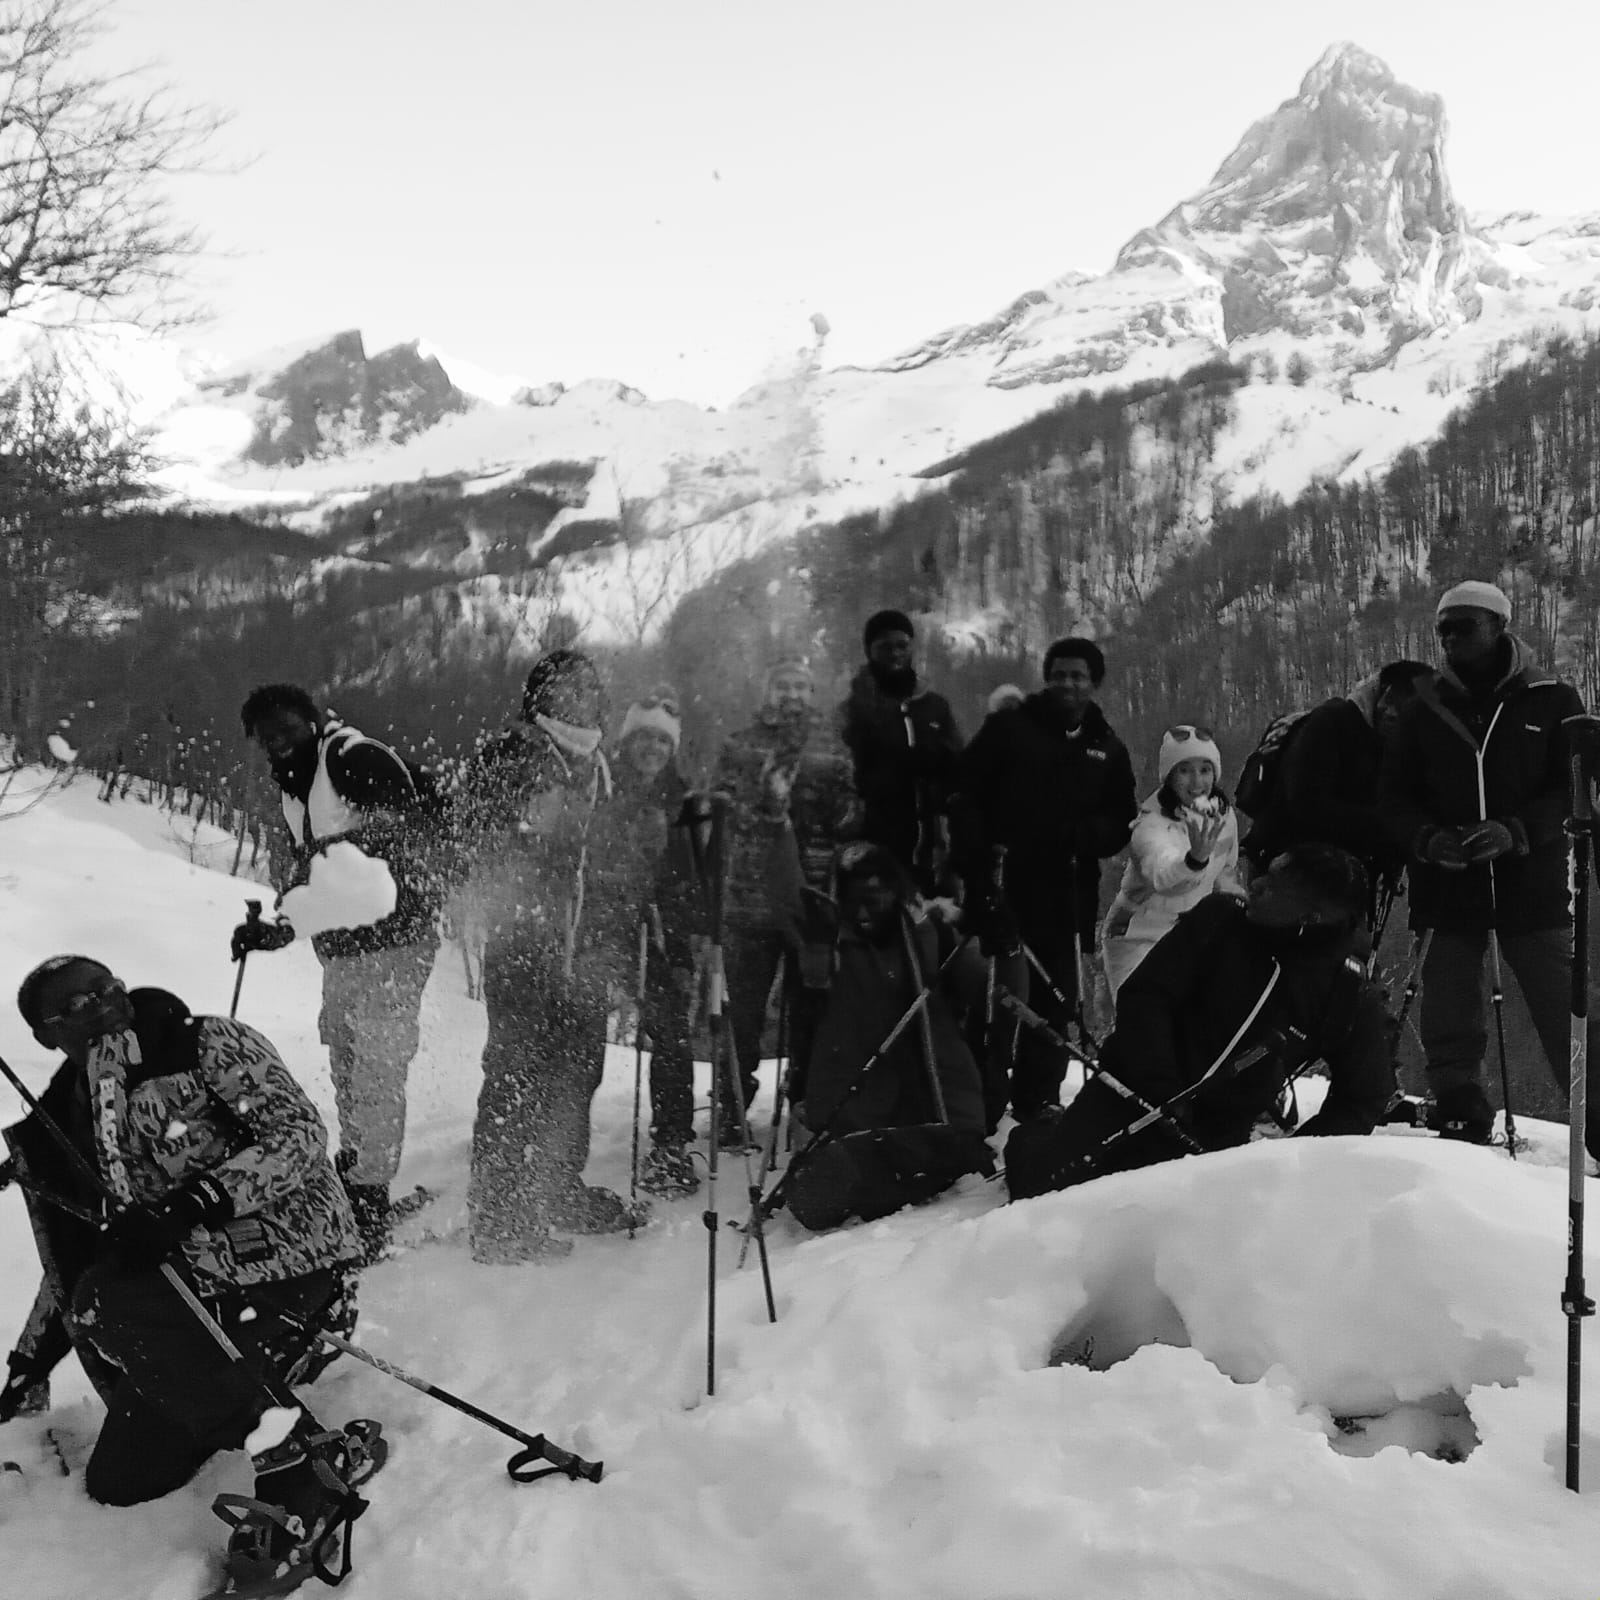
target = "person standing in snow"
x: 1326, y: 789
x: 790, y: 804
x: 1475, y: 789
x: 1050, y: 782
x: 528, y: 802
x: 218, y: 1162
x: 903, y: 742
x: 912, y: 1125
x: 643, y: 856
x: 339, y: 785
x: 1185, y: 846
x: 1215, y: 1020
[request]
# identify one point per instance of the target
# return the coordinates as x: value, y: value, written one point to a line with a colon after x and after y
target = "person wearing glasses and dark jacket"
x: 1236, y: 1000
x: 217, y: 1162
x: 1053, y: 785
x: 1475, y: 787
x: 903, y: 742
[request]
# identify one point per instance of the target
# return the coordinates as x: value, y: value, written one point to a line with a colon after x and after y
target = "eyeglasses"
x: 1183, y: 732
x: 80, y: 1005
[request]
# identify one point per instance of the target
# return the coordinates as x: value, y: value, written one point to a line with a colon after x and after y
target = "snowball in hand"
x: 346, y: 889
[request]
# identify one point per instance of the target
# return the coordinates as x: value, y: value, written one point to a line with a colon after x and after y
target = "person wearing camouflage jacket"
x: 218, y: 1163
x: 791, y: 803
x: 527, y: 809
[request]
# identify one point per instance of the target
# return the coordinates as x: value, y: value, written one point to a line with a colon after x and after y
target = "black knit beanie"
x: 882, y: 622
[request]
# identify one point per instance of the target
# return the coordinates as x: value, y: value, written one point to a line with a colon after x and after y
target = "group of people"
x: 919, y: 913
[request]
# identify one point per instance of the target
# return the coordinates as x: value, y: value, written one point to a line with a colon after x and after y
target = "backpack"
x: 1259, y: 775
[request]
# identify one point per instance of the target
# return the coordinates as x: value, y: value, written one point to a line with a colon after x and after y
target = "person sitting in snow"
x: 1235, y: 1001
x: 900, y: 1127
x: 528, y: 802
x: 217, y: 1160
x: 340, y: 786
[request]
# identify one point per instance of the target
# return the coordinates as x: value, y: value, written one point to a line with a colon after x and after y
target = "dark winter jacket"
x: 791, y: 806
x: 361, y: 790
x: 1430, y: 780
x: 903, y: 750
x: 527, y: 809
x: 1185, y: 1002
x: 870, y: 989
x: 641, y: 860
x: 1327, y: 789
x: 1058, y: 799
x: 206, y: 1095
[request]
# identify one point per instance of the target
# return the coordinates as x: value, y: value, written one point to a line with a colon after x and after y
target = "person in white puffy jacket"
x: 1185, y: 846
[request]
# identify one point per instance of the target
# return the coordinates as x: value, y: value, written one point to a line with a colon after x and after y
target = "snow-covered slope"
x: 1314, y: 1369
x: 1330, y: 236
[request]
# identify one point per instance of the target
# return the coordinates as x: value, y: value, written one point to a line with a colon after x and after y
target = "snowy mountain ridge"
x: 1330, y: 237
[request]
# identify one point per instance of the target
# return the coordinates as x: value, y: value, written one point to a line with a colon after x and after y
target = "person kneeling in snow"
x: 218, y: 1162
x: 898, y: 1128
x: 1229, y: 1007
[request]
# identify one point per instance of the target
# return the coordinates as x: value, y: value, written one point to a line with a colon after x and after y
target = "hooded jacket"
x: 1056, y: 798
x: 1513, y: 732
x: 903, y: 751
x: 179, y: 1096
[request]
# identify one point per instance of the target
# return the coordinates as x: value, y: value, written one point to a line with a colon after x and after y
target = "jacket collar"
x: 1041, y: 708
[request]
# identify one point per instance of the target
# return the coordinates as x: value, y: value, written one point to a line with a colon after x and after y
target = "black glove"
x: 258, y: 934
x: 26, y: 1391
x: 144, y: 1235
x: 1442, y: 846
x: 998, y: 935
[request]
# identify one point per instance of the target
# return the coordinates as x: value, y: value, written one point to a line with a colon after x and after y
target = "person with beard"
x: 339, y: 785
x: 790, y: 804
x: 1475, y: 788
x: 909, y: 1127
x: 213, y: 1162
x: 643, y: 856
x: 528, y: 802
x: 1050, y: 782
x: 903, y: 742
x: 1235, y: 1001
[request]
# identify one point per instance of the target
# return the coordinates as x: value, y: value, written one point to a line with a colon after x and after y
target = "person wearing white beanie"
x: 1185, y: 846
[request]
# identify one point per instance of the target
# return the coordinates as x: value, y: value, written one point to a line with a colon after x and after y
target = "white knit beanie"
x: 651, y: 713
x: 1193, y: 748
x: 1485, y: 596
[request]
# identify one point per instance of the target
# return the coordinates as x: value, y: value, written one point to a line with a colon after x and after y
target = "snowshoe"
x: 668, y: 1170
x: 298, y: 1524
x: 589, y: 1209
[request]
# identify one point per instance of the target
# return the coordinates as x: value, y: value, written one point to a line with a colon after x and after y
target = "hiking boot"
x: 668, y: 1170
x: 588, y: 1209
x: 369, y: 1202
x: 297, y: 1524
x: 1464, y: 1113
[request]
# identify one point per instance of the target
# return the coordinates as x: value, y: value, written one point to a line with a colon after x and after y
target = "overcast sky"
x: 664, y: 191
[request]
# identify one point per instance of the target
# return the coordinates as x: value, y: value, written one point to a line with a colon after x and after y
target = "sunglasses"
x: 1185, y: 731
x: 1455, y: 625
x: 80, y: 1005
x: 661, y: 702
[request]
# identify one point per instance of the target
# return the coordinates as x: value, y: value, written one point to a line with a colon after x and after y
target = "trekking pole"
x: 252, y: 916
x: 1080, y: 1015
x: 1575, y: 1302
x: 538, y: 1448
x: 1031, y: 1018
x: 638, y: 1062
x: 924, y: 1026
x: 1386, y: 898
x: 1497, y: 993
x: 769, y: 1156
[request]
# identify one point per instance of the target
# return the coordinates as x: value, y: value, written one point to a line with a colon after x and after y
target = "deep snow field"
x: 1126, y: 1392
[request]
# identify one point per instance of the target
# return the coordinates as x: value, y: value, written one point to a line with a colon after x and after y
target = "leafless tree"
x: 86, y: 225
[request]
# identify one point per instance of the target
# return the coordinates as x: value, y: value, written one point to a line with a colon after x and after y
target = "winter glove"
x: 1488, y: 841
x: 26, y: 1391
x: 1442, y: 847
x: 998, y: 936
x: 145, y: 1235
x: 259, y: 935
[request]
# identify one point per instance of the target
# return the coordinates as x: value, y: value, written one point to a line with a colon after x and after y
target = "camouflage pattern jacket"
x: 174, y: 1097
x: 792, y: 803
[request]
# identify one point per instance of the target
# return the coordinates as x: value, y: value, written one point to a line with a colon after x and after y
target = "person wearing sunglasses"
x: 903, y: 742
x: 215, y: 1162
x: 1475, y: 788
x: 1185, y: 846
x: 1051, y: 782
